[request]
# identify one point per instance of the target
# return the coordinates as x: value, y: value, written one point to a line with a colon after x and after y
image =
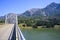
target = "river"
x: 41, y: 34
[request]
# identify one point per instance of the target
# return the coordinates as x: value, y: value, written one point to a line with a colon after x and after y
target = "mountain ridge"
x: 51, y: 10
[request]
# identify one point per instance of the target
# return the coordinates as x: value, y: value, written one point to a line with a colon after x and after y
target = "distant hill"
x: 51, y: 10
x: 2, y: 17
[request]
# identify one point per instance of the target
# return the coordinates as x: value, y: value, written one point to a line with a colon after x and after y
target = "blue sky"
x: 20, y: 6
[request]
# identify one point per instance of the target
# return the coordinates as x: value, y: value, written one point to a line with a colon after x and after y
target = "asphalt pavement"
x: 5, y: 30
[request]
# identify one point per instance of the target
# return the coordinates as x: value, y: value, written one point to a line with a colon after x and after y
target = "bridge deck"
x: 5, y: 31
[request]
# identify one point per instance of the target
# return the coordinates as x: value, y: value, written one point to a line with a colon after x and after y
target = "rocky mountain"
x: 51, y: 10
x: 33, y: 12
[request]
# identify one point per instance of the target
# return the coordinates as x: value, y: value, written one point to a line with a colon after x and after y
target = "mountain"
x: 33, y: 13
x: 51, y: 10
x: 2, y: 17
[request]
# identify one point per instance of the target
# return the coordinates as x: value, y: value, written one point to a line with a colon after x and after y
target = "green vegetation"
x: 2, y: 21
x: 34, y: 23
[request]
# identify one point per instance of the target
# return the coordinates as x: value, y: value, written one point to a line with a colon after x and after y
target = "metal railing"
x: 20, y: 35
x: 13, y: 34
x: 12, y: 18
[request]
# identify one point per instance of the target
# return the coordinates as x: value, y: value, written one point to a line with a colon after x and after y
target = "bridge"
x: 10, y: 30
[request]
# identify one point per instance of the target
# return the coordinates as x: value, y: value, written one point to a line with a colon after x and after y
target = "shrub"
x: 34, y: 26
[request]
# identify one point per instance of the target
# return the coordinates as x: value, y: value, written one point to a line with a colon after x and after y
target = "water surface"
x: 41, y: 34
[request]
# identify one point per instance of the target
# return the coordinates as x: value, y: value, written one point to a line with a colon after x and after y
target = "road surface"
x: 5, y: 31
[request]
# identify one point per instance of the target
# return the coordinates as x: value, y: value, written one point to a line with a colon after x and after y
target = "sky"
x: 20, y: 6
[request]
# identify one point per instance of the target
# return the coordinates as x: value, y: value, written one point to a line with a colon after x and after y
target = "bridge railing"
x: 12, y: 34
x: 12, y: 18
x: 20, y: 35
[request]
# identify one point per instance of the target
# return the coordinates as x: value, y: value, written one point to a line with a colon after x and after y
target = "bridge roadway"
x: 5, y: 31
x: 10, y: 30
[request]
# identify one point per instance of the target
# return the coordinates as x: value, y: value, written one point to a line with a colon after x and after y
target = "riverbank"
x: 22, y: 26
x: 41, y: 29
x: 41, y: 33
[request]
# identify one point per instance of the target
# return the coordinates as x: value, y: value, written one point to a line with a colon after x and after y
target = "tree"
x: 2, y: 21
x: 49, y: 24
x: 41, y: 23
x: 34, y: 26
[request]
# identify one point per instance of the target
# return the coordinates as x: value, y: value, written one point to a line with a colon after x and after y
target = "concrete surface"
x: 5, y: 30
